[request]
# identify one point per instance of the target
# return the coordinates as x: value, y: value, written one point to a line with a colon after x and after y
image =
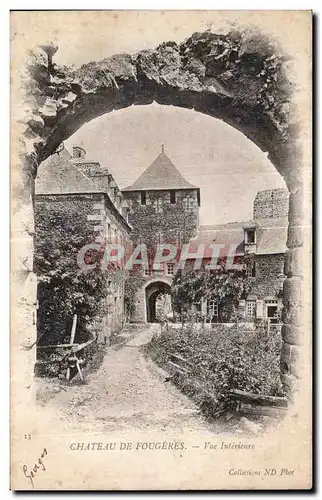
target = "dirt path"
x: 128, y: 391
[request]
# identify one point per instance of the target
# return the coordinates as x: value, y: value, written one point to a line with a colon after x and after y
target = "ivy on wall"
x: 172, y: 224
x: 134, y: 281
x: 64, y: 289
x: 226, y: 287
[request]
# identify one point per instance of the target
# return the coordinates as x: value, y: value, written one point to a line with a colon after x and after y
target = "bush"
x: 222, y: 360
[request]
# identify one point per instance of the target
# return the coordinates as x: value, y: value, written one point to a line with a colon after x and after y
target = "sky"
x: 228, y: 167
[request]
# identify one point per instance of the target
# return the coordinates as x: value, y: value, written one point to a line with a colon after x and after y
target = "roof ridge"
x: 160, y: 174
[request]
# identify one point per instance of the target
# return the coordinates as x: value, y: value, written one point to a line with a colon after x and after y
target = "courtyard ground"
x: 128, y: 391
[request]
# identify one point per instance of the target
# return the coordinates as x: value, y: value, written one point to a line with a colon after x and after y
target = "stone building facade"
x: 163, y: 209
x: 78, y: 197
x: 261, y: 244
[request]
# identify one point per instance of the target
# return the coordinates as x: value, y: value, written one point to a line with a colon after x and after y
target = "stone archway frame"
x: 165, y: 280
x: 246, y: 86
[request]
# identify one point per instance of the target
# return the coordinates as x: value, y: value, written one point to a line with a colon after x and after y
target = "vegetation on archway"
x: 238, y: 77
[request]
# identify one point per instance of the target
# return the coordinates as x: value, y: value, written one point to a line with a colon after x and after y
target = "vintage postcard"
x: 161, y: 250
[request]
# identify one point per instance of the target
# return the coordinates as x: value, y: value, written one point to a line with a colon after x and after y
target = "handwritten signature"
x: 39, y: 465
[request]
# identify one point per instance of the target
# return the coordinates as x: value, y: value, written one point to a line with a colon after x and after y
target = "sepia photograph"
x: 161, y: 192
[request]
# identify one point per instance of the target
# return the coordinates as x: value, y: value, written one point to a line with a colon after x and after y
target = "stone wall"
x: 140, y: 311
x: 271, y: 204
x: 296, y: 316
x: 167, y: 224
x: 269, y: 276
x: 159, y: 221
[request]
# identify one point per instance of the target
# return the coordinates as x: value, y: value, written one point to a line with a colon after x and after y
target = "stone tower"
x: 271, y: 204
x: 163, y: 208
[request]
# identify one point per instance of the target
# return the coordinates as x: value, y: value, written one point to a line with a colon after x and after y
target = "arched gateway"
x: 244, y: 85
x: 153, y: 292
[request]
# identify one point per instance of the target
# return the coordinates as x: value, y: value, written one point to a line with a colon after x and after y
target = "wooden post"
x: 72, y: 338
x: 73, y: 332
x: 79, y: 370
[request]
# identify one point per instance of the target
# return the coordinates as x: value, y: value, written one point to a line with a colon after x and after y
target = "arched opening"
x: 158, y: 301
x: 187, y: 75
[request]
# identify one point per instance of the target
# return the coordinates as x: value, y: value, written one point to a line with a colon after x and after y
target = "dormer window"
x: 250, y: 236
x: 79, y: 152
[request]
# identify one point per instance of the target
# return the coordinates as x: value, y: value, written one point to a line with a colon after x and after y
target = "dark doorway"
x: 155, y: 294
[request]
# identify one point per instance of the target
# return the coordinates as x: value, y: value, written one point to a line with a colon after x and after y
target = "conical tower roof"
x: 160, y: 175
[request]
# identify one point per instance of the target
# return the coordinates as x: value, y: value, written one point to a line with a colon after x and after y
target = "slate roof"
x: 58, y: 175
x: 161, y: 174
x: 271, y: 235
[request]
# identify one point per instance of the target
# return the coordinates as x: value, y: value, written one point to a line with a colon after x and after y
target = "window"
x: 143, y: 198
x: 147, y: 271
x: 172, y: 197
x: 170, y: 269
x: 158, y: 205
x: 251, y: 269
x: 250, y: 236
x: 78, y: 152
x: 251, y: 308
x: 189, y: 204
x: 212, y: 308
x: 271, y: 310
x: 196, y: 306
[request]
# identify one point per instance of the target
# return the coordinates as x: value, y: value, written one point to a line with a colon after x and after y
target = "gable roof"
x: 223, y: 234
x: 161, y: 174
x: 271, y: 236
